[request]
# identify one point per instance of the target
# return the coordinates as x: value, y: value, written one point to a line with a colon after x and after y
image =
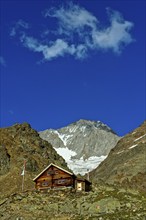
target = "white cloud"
x: 78, y: 32
x: 55, y: 49
x: 72, y: 18
x: 81, y: 51
x: 114, y: 36
x: 19, y: 24
x: 58, y: 48
x: 2, y: 61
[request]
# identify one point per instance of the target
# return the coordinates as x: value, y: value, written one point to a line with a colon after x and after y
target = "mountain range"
x: 83, y: 144
x: 111, y: 196
x: 123, y: 163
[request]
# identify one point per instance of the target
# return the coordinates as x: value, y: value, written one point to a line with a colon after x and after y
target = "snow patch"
x: 133, y: 146
x: 139, y: 137
x: 73, y: 129
x: 82, y: 128
x: 63, y: 137
x: 81, y: 166
x: 120, y: 152
x: 65, y: 153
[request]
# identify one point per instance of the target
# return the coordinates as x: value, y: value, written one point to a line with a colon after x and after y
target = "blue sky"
x: 62, y: 61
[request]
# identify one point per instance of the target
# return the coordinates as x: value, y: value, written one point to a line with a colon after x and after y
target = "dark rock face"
x: 4, y: 160
x: 18, y: 143
x: 126, y: 163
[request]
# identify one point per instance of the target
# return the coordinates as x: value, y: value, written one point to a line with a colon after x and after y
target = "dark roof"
x: 83, y: 180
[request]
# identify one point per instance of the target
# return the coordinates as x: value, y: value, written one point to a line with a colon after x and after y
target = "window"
x: 45, y: 183
x: 61, y: 181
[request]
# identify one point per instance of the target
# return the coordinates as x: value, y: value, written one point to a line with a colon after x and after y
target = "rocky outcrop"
x: 126, y: 163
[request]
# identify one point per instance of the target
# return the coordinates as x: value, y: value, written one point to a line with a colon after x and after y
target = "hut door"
x: 79, y: 186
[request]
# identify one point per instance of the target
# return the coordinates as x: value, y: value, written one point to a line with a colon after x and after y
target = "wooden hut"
x: 56, y: 177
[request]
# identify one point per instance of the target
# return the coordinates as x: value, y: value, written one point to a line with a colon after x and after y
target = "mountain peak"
x: 93, y: 123
x: 83, y: 144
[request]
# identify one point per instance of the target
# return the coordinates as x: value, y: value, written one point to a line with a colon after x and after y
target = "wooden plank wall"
x: 54, y: 177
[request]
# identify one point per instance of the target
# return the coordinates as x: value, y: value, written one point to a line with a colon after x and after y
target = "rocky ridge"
x: 126, y: 163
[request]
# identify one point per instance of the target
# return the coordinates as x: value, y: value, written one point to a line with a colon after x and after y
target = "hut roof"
x: 51, y: 164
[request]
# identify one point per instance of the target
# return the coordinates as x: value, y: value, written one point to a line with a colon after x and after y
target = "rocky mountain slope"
x: 104, y: 203
x: 83, y: 144
x: 21, y: 142
x: 126, y: 163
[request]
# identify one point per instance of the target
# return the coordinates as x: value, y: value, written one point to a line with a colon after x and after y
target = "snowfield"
x: 79, y: 166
